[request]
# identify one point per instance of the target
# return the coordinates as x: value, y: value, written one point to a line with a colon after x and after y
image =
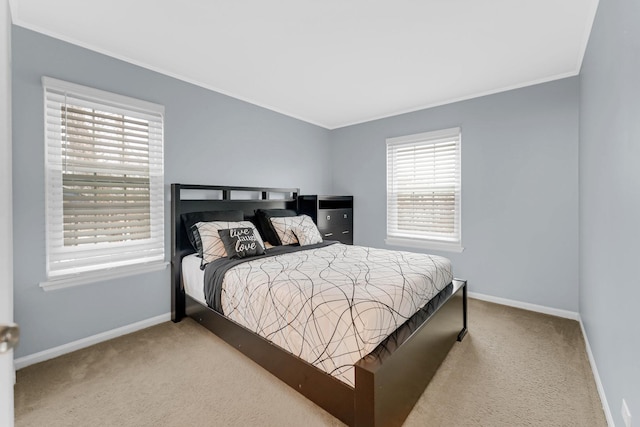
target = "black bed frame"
x: 389, y: 380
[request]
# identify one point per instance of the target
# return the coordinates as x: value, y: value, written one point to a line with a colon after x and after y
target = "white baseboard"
x: 596, y: 376
x: 527, y: 306
x: 41, y: 356
x: 567, y: 315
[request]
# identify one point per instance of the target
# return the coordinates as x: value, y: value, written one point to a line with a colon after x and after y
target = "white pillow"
x: 294, y: 229
x: 212, y: 245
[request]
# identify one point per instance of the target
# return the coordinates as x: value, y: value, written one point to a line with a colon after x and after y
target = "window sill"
x: 101, y: 276
x: 424, y: 244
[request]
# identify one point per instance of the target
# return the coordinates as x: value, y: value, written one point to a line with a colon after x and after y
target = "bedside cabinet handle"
x: 328, y: 234
x: 345, y: 232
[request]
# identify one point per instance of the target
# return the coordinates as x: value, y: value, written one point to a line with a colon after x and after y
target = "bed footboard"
x: 390, y: 380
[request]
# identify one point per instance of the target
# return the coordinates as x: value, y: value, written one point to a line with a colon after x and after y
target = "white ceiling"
x: 332, y: 62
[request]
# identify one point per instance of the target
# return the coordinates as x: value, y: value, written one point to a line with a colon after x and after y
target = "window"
x: 104, y: 184
x: 423, y: 190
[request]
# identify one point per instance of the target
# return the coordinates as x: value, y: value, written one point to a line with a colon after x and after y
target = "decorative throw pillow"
x: 307, y: 232
x: 263, y: 217
x: 241, y: 242
x: 212, y: 246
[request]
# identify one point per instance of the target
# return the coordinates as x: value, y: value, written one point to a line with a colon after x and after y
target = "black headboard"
x: 186, y: 198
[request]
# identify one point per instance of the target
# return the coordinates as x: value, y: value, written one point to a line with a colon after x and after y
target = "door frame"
x: 7, y: 373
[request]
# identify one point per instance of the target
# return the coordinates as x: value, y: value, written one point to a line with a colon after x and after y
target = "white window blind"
x: 424, y: 189
x: 104, y: 180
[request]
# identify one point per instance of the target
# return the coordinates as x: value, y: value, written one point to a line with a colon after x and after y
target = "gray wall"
x: 209, y: 139
x: 519, y: 188
x: 610, y: 200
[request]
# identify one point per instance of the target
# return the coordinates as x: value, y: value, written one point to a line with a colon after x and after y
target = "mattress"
x: 330, y: 306
x: 193, y: 278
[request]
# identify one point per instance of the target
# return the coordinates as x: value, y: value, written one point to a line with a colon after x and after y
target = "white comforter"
x: 331, y: 306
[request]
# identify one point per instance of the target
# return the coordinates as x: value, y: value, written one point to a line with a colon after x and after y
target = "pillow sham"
x: 267, y: 231
x: 241, y: 242
x: 297, y: 229
x: 212, y: 245
x: 192, y: 218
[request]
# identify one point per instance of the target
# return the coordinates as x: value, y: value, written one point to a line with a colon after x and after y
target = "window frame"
x: 394, y: 235
x: 78, y: 274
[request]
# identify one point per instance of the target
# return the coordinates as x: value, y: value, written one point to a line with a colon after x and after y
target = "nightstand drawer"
x: 334, y: 233
x: 335, y: 219
x: 343, y: 237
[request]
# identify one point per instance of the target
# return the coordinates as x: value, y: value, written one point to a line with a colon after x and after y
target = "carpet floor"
x: 514, y: 368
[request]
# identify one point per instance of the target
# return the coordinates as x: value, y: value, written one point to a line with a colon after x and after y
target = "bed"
x: 379, y: 388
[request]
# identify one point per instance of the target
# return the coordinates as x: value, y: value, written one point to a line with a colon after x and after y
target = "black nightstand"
x: 332, y: 214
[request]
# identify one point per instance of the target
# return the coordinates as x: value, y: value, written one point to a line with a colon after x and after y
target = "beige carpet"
x: 514, y: 368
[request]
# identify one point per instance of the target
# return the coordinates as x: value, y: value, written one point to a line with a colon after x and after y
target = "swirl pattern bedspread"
x: 331, y: 305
